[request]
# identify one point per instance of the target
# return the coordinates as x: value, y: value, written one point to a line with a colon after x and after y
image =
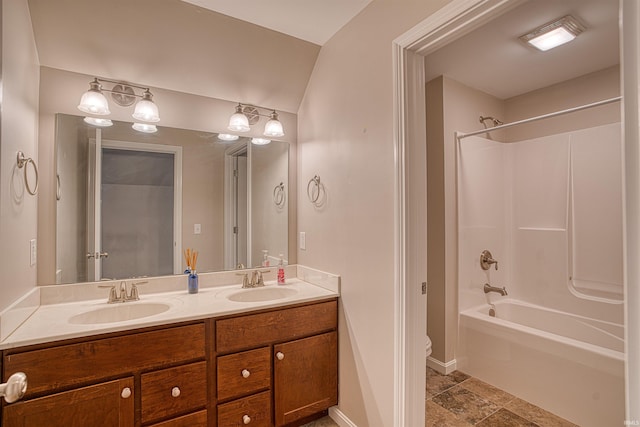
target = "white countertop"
x: 52, y: 322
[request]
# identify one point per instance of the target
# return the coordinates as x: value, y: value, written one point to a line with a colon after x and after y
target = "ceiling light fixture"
x: 95, y: 103
x: 247, y: 115
x: 145, y: 127
x: 554, y: 33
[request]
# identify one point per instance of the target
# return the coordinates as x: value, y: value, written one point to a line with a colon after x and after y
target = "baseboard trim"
x: 442, y: 367
x: 340, y: 418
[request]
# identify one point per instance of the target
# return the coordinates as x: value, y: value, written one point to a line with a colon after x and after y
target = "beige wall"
x: 346, y: 137
x: 60, y: 92
x: 19, y: 131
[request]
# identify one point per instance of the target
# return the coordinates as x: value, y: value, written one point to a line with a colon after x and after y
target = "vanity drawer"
x: 197, y: 419
x: 173, y: 391
x: 92, y: 361
x: 254, y: 330
x: 257, y: 408
x: 244, y: 373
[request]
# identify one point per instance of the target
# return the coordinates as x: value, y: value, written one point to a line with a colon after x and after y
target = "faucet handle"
x: 486, y: 259
x: 134, y: 296
x: 113, y: 295
x: 245, y: 279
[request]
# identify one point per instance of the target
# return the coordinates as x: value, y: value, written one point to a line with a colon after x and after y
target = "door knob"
x: 14, y: 388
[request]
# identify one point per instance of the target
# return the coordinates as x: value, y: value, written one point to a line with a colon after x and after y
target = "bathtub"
x: 569, y: 365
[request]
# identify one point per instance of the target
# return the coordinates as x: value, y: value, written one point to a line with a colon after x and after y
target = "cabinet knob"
x: 246, y: 419
x: 280, y: 355
x: 246, y: 373
x: 14, y: 388
x: 175, y: 392
x: 126, y: 393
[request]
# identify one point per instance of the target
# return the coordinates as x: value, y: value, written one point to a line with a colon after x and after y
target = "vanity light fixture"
x: 260, y: 141
x: 94, y: 102
x: 247, y: 115
x: 554, y: 33
x: 98, y: 121
x: 145, y: 127
x: 227, y: 137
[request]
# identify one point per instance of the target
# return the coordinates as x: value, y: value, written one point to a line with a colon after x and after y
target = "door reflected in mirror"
x: 129, y: 202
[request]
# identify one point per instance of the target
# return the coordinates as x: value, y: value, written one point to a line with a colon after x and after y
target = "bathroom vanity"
x: 257, y: 367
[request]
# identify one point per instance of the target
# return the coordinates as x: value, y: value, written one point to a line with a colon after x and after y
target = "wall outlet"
x: 33, y: 252
x: 197, y: 228
x: 303, y: 240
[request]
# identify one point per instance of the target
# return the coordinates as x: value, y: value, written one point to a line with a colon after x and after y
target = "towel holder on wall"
x: 313, y: 189
x: 23, y: 162
x: 279, y: 195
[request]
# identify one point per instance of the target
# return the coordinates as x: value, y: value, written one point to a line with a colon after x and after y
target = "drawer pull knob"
x: 175, y: 392
x: 280, y: 355
x: 246, y: 373
x: 14, y: 388
x: 246, y: 419
x: 126, y: 393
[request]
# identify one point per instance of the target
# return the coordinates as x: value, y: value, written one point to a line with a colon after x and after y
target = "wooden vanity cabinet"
x: 273, y: 367
x: 300, y: 347
x: 125, y: 380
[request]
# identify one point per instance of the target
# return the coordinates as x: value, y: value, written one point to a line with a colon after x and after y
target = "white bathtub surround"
x: 569, y: 365
x: 550, y: 211
x: 43, y: 315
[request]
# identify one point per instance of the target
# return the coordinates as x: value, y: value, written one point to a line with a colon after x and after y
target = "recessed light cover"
x: 553, y: 34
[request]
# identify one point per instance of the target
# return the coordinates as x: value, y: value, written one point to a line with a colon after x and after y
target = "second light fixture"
x: 247, y: 115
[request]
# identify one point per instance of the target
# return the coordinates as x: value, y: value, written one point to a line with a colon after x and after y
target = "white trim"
x: 630, y: 62
x: 453, y: 20
x: 443, y: 368
x: 177, y: 187
x: 340, y: 418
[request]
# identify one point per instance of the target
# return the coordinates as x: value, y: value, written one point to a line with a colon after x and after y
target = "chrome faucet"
x: 255, y: 281
x: 121, y: 295
x: 502, y: 291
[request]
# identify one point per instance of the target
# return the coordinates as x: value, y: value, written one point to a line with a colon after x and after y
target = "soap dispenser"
x: 281, y: 280
x: 265, y: 258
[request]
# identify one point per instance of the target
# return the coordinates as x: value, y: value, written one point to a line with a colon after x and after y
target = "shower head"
x: 496, y: 122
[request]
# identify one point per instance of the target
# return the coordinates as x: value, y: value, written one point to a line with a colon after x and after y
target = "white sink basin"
x: 119, y: 313
x: 261, y: 294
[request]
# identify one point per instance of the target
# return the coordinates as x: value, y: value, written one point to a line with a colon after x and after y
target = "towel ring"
x: 24, y: 162
x: 58, y: 187
x: 278, y: 195
x: 313, y: 189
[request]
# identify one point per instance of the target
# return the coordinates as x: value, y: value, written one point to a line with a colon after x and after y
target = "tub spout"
x: 502, y: 291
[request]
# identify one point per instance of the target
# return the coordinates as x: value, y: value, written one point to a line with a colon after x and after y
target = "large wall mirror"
x: 129, y: 203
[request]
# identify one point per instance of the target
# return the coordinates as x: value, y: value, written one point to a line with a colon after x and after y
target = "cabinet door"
x: 305, y: 377
x: 107, y: 404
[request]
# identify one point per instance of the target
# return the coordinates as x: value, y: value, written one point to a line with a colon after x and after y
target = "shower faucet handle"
x: 486, y: 259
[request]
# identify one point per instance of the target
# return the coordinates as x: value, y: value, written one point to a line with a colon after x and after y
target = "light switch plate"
x: 197, y: 228
x: 33, y: 252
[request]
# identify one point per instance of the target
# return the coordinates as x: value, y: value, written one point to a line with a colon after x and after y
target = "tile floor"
x: 459, y: 400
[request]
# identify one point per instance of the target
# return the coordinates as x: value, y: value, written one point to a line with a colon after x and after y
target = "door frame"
x: 230, y: 243
x: 454, y: 20
x: 177, y: 189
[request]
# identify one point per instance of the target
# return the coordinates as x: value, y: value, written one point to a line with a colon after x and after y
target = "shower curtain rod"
x: 544, y: 116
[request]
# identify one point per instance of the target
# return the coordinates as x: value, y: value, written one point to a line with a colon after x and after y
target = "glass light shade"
x: 273, y: 127
x: 552, y: 39
x: 145, y: 127
x: 146, y: 110
x: 260, y: 141
x: 238, y: 122
x: 227, y: 137
x: 96, y: 121
x: 94, y: 102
